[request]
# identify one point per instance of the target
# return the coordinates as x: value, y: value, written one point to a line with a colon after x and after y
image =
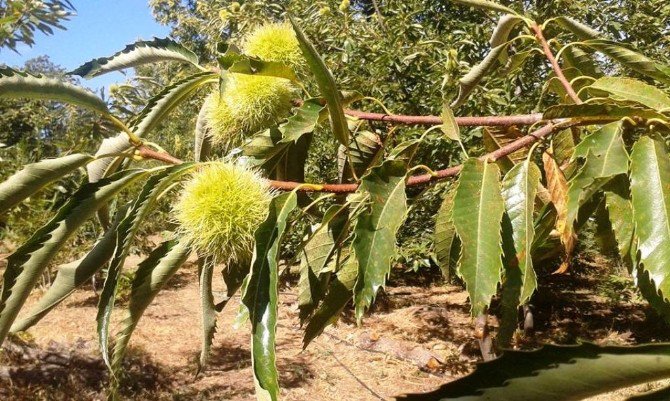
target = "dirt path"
x: 346, y: 362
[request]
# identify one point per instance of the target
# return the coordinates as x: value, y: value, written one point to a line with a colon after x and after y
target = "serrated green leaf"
x: 449, y: 126
x: 620, y: 212
x: 208, y: 318
x: 478, y: 211
x: 557, y: 373
x: 486, y: 5
x: 327, y: 86
x: 136, y: 54
x: 630, y: 58
x: 156, y: 109
x: 563, y: 146
x: 633, y: 90
x: 375, y: 230
x: 27, y: 263
x: 151, y: 276
x: 519, y: 189
x: 17, y: 84
x: 33, y: 177
x: 338, y: 295
x: 516, y: 61
x: 72, y: 275
x: 606, y: 157
x: 260, y: 295
x: 318, y: 258
x: 445, y: 236
x: 127, y: 229
x: 274, y: 142
x: 470, y: 81
x: 167, y: 99
x: 582, y: 61
x: 592, y: 110
x: 580, y: 30
x: 650, y: 191
x: 103, y: 166
x: 364, y: 151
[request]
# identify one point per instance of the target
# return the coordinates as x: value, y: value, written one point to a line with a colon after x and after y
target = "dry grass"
x: 161, y: 363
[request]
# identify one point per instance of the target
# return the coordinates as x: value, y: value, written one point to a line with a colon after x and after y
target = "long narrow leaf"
x: 73, y: 275
x: 208, y: 318
x: 486, y: 5
x: 17, y: 84
x: 633, y: 90
x: 327, y: 86
x: 650, y: 191
x: 127, y: 229
x: 478, y: 211
x: 445, y: 236
x: 34, y: 177
x: 470, y: 81
x: 557, y: 373
x: 136, y: 54
x: 260, y: 295
x: 27, y: 263
x: 151, y: 276
x: 375, y: 230
x: 338, y: 295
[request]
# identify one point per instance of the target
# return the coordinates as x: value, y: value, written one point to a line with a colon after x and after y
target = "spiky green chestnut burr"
x: 249, y: 104
x: 274, y: 42
x: 219, y: 209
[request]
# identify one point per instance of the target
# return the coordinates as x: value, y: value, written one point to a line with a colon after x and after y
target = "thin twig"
x: 554, y: 64
x: 475, y: 121
x: 361, y: 382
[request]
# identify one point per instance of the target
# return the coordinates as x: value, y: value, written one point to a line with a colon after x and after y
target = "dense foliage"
x: 279, y: 149
x: 19, y: 19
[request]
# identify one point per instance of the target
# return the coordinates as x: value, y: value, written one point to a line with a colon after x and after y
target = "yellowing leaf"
x: 557, y: 186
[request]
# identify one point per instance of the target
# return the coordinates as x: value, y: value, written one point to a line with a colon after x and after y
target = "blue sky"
x: 100, y: 28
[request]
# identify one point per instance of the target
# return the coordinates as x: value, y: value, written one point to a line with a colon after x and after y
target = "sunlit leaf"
x: 33, y: 177
x: 486, y: 5
x: 136, y: 54
x: 633, y: 90
x: 470, y: 81
x: 151, y: 276
x: 477, y: 213
x: 16, y: 84
x: 260, y: 295
x: 650, y: 191
x: 327, y: 86
x: 27, y: 263
x: 556, y: 373
x: 375, y: 230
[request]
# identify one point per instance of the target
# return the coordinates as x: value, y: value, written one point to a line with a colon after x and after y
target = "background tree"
x: 19, y: 19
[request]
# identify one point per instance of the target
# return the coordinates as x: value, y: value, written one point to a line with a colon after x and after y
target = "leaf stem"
x: 554, y: 64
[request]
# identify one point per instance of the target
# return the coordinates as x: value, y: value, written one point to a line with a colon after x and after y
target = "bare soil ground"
x: 375, y: 361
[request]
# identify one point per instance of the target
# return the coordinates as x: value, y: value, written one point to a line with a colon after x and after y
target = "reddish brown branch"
x: 414, y: 180
x: 486, y: 121
x: 554, y: 64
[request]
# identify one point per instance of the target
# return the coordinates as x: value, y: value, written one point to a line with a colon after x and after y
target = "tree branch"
x: 475, y: 121
x: 554, y: 64
x: 512, y: 147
